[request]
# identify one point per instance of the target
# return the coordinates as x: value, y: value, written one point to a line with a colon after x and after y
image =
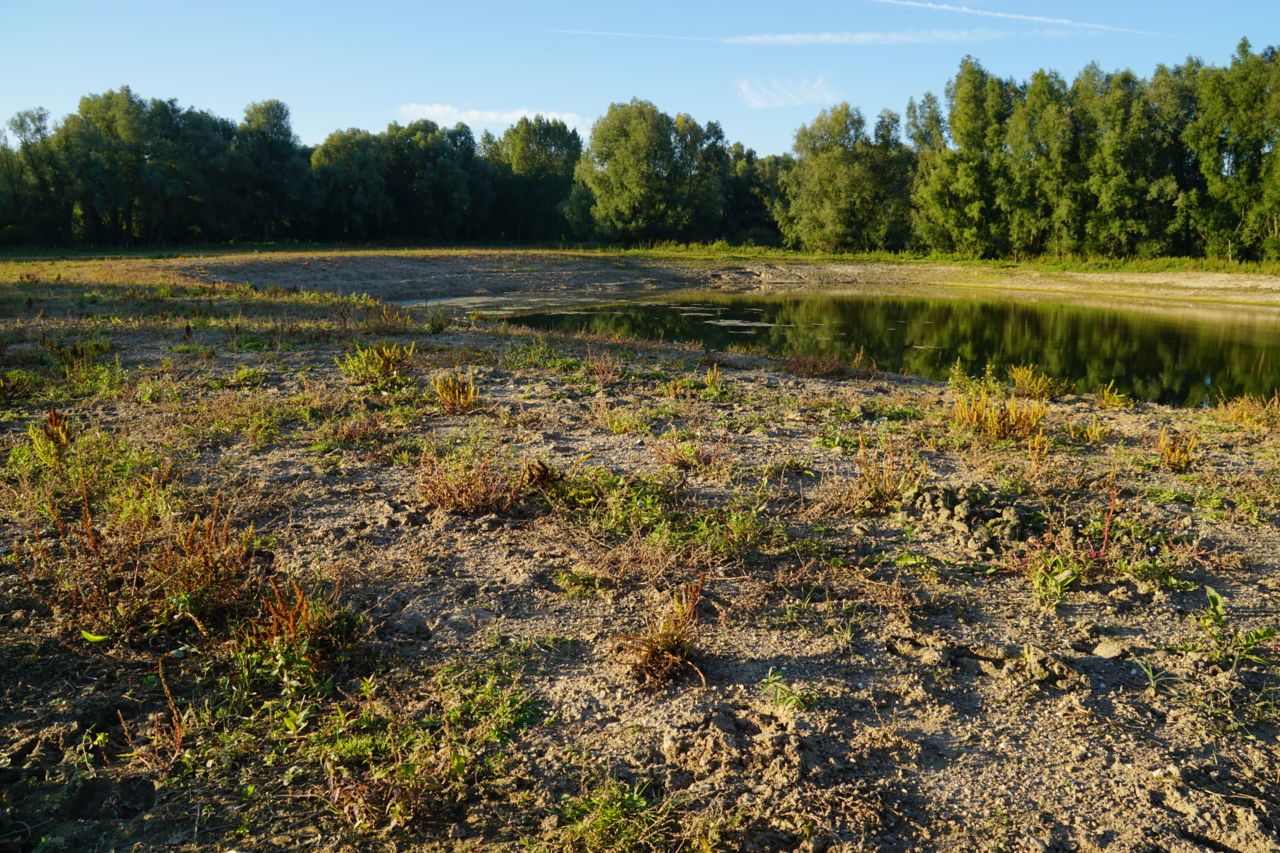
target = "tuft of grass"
x: 455, y: 391
x: 1094, y: 432
x: 885, y: 480
x: 616, y: 817
x: 995, y: 418
x: 603, y: 366
x: 1251, y: 412
x: 381, y: 367
x: 123, y: 577
x: 683, y: 455
x: 1031, y: 382
x: 657, y: 654
x: 580, y: 583
x: 1177, y: 451
x: 786, y: 695
x: 1107, y: 397
x: 466, y: 487
x: 814, y: 366
x: 621, y: 420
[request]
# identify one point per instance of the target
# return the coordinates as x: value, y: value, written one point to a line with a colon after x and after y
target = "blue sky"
x: 760, y: 68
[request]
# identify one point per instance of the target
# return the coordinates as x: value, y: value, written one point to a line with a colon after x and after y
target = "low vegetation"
x: 344, y: 574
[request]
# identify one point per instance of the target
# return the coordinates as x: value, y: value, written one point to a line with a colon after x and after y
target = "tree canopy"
x: 1181, y: 163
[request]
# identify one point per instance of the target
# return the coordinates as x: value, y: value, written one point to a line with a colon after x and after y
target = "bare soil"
x: 530, y: 278
x: 869, y: 668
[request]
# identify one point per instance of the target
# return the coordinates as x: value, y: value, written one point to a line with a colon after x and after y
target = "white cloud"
x: 775, y: 94
x: 612, y: 34
x: 448, y: 115
x: 894, y: 37
x: 1005, y: 16
x: 856, y: 37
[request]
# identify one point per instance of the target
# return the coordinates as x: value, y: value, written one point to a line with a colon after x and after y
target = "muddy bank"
x: 504, y: 279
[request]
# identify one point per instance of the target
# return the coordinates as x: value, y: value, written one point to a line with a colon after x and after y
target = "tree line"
x: 1182, y: 163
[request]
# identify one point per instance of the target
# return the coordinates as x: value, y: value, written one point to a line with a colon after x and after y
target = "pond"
x: 1181, y: 355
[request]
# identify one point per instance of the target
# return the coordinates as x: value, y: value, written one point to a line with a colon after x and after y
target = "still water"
x: 1189, y: 355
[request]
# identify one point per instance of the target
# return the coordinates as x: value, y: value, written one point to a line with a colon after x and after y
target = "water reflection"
x: 1183, y: 357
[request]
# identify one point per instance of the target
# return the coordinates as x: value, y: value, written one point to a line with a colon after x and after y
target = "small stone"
x: 1109, y: 649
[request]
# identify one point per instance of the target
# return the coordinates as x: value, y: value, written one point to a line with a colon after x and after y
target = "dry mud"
x: 929, y: 698
x: 524, y: 279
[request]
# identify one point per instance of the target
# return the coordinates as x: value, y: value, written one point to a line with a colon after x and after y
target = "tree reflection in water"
x: 1186, y: 358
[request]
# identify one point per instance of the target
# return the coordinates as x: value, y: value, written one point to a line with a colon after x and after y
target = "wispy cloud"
x: 612, y: 34
x: 855, y: 37
x: 1007, y: 16
x: 871, y: 37
x: 448, y: 114
x: 775, y: 94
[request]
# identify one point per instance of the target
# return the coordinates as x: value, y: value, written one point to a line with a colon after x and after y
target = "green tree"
x: 533, y: 166
x: 652, y: 176
x: 187, y: 188
x: 39, y: 182
x: 438, y: 186
x: 1040, y: 194
x: 272, y: 172
x: 955, y: 197
x: 750, y: 187
x: 1234, y: 137
x: 348, y: 170
x: 1119, y: 168
x: 103, y: 145
x: 847, y: 190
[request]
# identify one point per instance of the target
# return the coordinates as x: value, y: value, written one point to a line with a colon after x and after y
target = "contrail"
x: 1009, y: 16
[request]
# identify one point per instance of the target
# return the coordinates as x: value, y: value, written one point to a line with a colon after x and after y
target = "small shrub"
x: 76, y: 358
x: 1038, y: 446
x: 379, y: 367
x: 655, y: 655
x: 437, y: 320
x: 1225, y: 644
x: 885, y: 480
x: 465, y: 487
x: 812, y: 366
x: 714, y: 378
x: 962, y: 383
x: 364, y: 430
x: 455, y: 391
x: 1053, y: 574
x: 14, y: 385
x: 1177, y: 452
x: 1093, y: 432
x: 387, y: 767
x: 124, y: 577
x: 995, y: 418
x: 1030, y: 382
x: 1107, y: 397
x: 1251, y: 412
x: 683, y: 455
x: 603, y: 366
x: 678, y: 389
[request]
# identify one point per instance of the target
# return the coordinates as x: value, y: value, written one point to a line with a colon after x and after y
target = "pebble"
x: 1109, y: 649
